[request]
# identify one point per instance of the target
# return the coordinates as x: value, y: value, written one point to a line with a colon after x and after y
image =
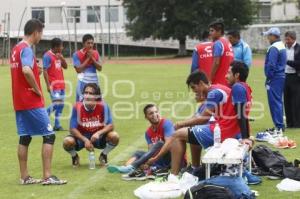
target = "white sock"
x: 108, y: 148
x: 72, y: 152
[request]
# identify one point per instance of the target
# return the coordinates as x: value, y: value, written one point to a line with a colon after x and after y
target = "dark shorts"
x: 99, y: 144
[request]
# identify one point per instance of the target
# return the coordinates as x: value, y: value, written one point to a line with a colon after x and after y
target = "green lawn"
x: 137, y: 85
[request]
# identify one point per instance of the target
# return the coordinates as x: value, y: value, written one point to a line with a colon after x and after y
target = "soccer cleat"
x: 103, y: 159
x: 251, y: 179
x: 137, y: 174
x: 30, y: 180
x: 75, y: 160
x: 53, y: 180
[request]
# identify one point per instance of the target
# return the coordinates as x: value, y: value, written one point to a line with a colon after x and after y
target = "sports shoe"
x: 53, y: 180
x: 251, y: 179
x: 161, y: 172
x: 103, y: 159
x: 120, y: 169
x: 75, y: 160
x: 137, y: 174
x: 29, y: 180
x: 282, y: 143
x: 263, y: 136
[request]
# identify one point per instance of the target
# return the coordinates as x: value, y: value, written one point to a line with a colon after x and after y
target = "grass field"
x: 163, y: 84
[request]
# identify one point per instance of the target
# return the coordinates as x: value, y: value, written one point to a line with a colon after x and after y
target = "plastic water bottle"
x: 92, y: 162
x: 217, y: 135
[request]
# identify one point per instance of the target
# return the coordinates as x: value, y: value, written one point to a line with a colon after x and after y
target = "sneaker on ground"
x: 30, y: 180
x: 161, y: 172
x: 103, y: 159
x: 75, y: 160
x: 172, y: 178
x: 137, y: 174
x: 263, y: 136
x: 53, y: 180
x: 120, y: 169
x: 251, y: 179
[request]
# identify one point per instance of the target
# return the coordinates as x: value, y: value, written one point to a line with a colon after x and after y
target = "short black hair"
x: 241, y: 68
x: 56, y: 42
x: 147, y: 107
x: 96, y: 88
x: 291, y: 34
x: 234, y: 33
x: 87, y: 37
x: 33, y: 25
x: 218, y: 26
x: 195, y: 77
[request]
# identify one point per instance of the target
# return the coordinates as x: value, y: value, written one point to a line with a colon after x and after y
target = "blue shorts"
x: 33, y: 122
x: 99, y: 144
x: 204, y: 135
x: 57, y: 95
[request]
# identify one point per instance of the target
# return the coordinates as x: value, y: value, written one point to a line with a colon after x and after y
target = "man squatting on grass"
x: 31, y: 116
x: 218, y: 102
x: 157, y: 135
x: 91, y: 126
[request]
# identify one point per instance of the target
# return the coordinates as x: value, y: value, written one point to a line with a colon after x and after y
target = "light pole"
x: 108, y: 10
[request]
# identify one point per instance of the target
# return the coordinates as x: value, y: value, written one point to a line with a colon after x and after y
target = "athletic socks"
x: 109, y: 147
x: 58, y: 111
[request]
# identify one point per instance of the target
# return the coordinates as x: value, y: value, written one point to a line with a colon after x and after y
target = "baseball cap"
x: 272, y: 31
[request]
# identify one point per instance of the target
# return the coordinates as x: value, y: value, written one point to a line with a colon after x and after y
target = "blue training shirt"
x: 168, y: 131
x: 195, y: 61
x: 46, y: 61
x: 27, y: 57
x: 218, y: 49
x: 107, y: 117
x: 242, y: 52
x: 214, y: 98
x: 239, y: 93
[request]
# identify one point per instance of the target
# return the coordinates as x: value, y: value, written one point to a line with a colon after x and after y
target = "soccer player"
x: 196, y: 130
x: 31, y: 116
x: 242, y: 51
x: 241, y: 96
x: 86, y: 62
x: 276, y: 59
x: 91, y: 126
x: 202, y: 57
x: 157, y: 134
x: 222, y: 54
x: 53, y: 63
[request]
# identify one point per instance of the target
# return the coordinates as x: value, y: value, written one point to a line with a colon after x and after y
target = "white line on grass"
x: 101, y: 173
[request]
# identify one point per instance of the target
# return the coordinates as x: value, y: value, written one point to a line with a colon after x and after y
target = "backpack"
x: 265, y: 158
x: 204, y: 191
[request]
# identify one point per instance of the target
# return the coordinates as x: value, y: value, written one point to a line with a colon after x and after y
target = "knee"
x: 113, y: 137
x: 25, y: 140
x: 68, y: 143
x: 49, y: 139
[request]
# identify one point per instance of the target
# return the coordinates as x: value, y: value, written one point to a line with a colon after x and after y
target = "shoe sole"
x: 136, y: 178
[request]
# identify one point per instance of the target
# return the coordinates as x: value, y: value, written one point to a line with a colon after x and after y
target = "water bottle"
x: 92, y: 162
x: 217, y: 135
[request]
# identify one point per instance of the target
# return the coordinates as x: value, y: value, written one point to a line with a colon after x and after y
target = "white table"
x: 217, y: 155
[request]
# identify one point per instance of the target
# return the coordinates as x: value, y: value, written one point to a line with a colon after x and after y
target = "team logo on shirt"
x: 49, y: 127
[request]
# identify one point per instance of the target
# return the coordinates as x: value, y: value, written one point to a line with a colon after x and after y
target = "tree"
x: 179, y: 19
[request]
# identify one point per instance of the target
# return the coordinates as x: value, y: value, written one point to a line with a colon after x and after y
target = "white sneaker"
x: 173, y: 178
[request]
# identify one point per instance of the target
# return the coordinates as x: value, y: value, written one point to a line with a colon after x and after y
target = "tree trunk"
x: 182, y: 47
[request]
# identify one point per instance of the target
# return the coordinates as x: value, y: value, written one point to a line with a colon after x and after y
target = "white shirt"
x: 290, y: 56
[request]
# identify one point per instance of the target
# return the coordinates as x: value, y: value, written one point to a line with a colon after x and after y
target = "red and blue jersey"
x: 90, y: 72
x: 90, y: 121
x: 55, y: 73
x: 219, y: 98
x: 24, y: 98
x: 202, y: 58
x: 222, y: 48
x: 164, y: 129
x: 242, y: 93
